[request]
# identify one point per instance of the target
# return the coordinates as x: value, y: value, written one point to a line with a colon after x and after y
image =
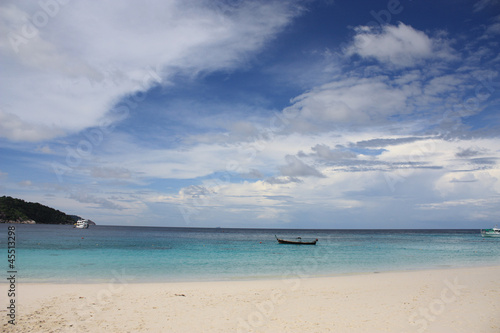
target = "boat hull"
x: 282, y: 241
x: 490, y: 234
x: 296, y: 242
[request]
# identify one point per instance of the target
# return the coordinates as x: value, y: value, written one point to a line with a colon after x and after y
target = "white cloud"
x: 443, y: 84
x: 353, y: 100
x: 400, y: 46
x: 110, y: 173
x: 483, y: 4
x: 95, y: 200
x: 493, y: 29
x: 419, y: 175
x: 121, y: 155
x: 297, y: 168
x: 65, y: 66
x: 15, y: 128
x: 26, y: 183
x: 45, y: 149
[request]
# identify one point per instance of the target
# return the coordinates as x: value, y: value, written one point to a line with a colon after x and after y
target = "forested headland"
x: 14, y: 210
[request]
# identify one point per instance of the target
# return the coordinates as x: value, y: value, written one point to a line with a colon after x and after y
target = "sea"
x: 99, y: 254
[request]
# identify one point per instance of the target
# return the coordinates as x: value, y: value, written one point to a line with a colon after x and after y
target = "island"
x: 14, y: 210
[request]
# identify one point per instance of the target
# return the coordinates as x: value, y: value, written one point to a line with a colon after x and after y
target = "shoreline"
x: 254, y: 278
x: 436, y: 300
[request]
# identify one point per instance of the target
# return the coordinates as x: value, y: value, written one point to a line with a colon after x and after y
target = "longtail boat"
x: 297, y: 241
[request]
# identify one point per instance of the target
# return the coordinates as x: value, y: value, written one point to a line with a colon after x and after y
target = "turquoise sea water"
x: 54, y: 253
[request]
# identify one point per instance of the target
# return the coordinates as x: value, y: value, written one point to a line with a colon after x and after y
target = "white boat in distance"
x: 82, y: 224
x: 493, y: 232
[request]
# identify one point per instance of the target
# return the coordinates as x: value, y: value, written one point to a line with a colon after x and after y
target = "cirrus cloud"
x: 70, y: 72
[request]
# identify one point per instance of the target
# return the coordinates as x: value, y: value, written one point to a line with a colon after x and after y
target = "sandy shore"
x: 452, y: 300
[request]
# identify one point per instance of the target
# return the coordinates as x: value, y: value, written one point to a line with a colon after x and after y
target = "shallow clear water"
x: 53, y: 253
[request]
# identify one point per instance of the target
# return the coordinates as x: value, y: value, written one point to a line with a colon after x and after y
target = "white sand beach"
x: 448, y: 300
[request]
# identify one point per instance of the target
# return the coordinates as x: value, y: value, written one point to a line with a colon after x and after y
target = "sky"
x: 254, y: 114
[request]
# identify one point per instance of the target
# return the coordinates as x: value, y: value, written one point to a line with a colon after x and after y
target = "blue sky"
x: 288, y: 114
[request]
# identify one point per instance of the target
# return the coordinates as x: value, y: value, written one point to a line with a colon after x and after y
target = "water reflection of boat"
x: 297, y: 241
x: 493, y: 232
